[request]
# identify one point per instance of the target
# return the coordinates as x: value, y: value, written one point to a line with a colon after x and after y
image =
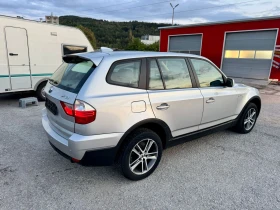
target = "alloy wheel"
x: 143, y: 156
x: 250, y: 119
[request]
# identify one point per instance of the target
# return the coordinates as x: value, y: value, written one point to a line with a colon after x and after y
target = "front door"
x: 220, y: 102
x: 172, y: 96
x: 18, y: 57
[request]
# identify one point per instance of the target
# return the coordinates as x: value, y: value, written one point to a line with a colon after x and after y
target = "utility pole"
x: 173, y: 11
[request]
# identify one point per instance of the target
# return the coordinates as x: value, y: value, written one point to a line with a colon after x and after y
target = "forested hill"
x: 112, y: 34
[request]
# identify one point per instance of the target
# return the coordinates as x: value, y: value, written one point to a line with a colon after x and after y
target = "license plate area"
x: 51, y: 106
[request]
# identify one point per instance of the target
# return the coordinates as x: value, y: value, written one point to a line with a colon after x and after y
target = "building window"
x: 232, y: 54
x: 71, y: 49
x: 264, y: 54
x: 247, y: 54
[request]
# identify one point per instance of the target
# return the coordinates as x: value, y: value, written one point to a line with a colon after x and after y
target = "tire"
x: 242, y: 126
x: 133, y: 159
x: 39, y: 92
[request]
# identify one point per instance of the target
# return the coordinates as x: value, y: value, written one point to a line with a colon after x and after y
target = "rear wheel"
x: 248, y: 119
x: 40, y: 92
x: 141, y: 155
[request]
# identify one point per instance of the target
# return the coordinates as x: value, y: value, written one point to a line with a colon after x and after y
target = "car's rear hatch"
x: 63, y: 88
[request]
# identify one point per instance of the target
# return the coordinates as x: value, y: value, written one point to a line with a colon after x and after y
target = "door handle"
x: 163, y: 106
x: 12, y: 54
x: 210, y: 100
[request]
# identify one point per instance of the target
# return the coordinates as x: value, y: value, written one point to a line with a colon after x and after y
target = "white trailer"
x: 31, y: 51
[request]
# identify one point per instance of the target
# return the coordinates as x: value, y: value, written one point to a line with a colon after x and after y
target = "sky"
x: 187, y: 12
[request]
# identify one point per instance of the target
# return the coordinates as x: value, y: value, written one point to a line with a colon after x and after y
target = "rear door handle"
x: 12, y: 54
x: 210, y: 100
x: 163, y: 106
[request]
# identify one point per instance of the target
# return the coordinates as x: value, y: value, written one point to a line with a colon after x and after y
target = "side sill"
x: 197, y: 134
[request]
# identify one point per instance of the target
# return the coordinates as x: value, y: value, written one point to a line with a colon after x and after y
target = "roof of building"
x: 222, y: 22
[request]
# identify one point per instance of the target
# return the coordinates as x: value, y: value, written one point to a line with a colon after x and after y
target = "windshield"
x: 72, y: 76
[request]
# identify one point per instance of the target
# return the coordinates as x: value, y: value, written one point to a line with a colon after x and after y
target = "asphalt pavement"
x: 224, y: 170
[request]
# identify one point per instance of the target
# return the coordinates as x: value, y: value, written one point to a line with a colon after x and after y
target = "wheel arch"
x: 38, y: 83
x: 256, y: 100
x: 156, y: 125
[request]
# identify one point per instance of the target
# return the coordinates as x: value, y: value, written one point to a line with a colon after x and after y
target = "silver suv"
x: 126, y: 107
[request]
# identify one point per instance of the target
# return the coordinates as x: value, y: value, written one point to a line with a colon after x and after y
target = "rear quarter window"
x: 125, y: 73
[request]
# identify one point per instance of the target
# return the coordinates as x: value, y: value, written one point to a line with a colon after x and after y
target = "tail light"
x: 81, y: 111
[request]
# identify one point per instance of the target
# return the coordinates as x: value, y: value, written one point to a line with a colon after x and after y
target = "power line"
x: 244, y: 19
x: 197, y: 9
x: 127, y: 2
x: 105, y: 11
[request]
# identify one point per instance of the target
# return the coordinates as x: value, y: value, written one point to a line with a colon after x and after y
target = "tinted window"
x: 207, y: 74
x: 264, y: 54
x: 175, y: 73
x: 71, y: 76
x: 232, y: 54
x: 247, y: 54
x: 125, y: 73
x: 155, y: 81
x: 70, y: 49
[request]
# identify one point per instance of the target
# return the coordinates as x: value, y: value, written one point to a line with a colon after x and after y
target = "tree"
x: 130, y: 36
x: 89, y: 34
x: 153, y: 47
x: 110, y: 33
x: 136, y: 44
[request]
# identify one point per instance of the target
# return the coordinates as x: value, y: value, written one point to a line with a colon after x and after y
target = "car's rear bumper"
x: 83, y: 147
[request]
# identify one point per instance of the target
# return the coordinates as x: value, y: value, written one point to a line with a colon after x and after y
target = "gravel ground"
x: 224, y: 170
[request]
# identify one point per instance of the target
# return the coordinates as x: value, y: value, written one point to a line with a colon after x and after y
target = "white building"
x: 148, y: 39
x: 52, y: 19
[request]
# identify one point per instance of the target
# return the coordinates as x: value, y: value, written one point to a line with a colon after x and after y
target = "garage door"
x: 249, y: 54
x: 185, y: 44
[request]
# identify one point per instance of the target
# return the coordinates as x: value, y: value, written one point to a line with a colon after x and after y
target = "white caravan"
x: 31, y: 51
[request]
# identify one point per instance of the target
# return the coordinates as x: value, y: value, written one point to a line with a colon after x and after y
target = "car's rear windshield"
x: 72, y: 76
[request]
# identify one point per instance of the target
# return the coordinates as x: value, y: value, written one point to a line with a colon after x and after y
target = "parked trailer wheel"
x: 40, y: 92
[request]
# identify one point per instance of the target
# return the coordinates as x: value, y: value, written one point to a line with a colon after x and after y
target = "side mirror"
x: 230, y: 82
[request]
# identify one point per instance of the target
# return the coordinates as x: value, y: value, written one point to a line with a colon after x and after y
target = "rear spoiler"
x: 80, y: 58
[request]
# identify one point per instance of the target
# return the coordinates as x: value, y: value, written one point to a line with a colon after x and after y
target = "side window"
x: 70, y: 49
x: 125, y: 73
x: 207, y: 74
x: 175, y: 73
x: 155, y: 81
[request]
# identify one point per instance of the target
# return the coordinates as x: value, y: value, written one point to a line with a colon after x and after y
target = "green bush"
x: 136, y: 44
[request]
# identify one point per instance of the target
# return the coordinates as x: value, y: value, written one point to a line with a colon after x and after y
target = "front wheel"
x: 141, y: 155
x: 248, y: 119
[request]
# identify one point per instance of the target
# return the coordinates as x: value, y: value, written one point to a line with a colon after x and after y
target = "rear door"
x: 64, y: 87
x: 220, y: 102
x: 18, y: 57
x: 173, y: 97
